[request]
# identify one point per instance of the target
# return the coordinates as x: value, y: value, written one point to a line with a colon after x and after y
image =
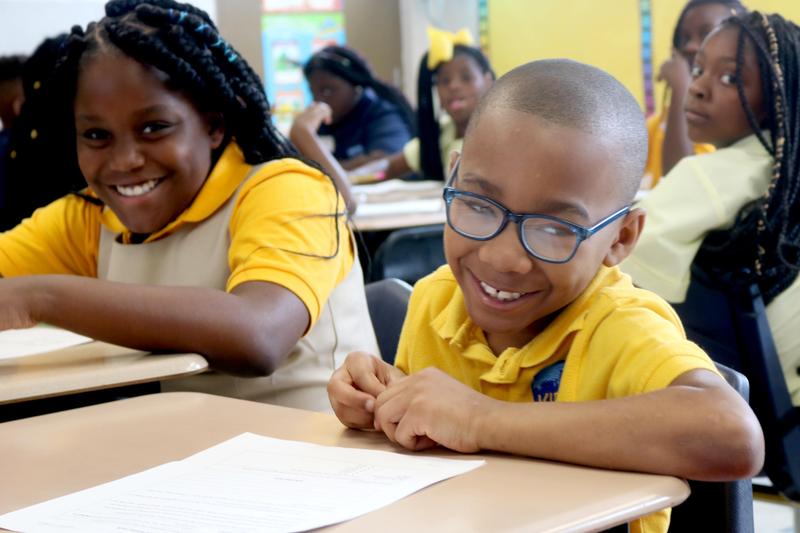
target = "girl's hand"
x: 430, y: 408
x: 355, y: 385
x: 15, y: 312
x: 315, y: 115
x: 676, y: 71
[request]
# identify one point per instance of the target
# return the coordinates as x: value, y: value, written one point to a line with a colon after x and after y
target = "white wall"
x: 26, y: 23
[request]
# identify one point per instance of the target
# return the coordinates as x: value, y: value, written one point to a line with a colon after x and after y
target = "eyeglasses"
x: 545, y: 237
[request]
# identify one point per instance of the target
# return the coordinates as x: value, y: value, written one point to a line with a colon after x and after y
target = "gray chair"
x: 718, y: 507
x: 387, y: 300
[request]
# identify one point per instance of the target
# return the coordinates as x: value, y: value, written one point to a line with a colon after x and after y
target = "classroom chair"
x: 729, y: 321
x: 387, y: 300
x: 718, y: 507
x: 409, y: 254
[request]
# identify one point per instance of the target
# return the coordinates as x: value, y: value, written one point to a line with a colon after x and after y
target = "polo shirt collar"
x: 454, y: 325
x: 221, y: 184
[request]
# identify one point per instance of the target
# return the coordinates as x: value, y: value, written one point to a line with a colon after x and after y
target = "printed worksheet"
x: 248, y: 483
x: 38, y: 339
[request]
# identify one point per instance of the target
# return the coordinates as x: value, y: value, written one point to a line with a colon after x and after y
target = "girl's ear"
x: 216, y: 128
x: 629, y: 231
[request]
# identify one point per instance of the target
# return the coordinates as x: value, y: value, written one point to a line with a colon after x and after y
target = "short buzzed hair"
x: 575, y: 95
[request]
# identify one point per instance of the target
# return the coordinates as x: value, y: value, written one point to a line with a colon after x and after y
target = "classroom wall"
x: 26, y: 23
x: 604, y: 33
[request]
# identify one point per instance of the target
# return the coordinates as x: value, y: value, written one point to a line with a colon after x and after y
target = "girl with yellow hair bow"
x: 460, y: 74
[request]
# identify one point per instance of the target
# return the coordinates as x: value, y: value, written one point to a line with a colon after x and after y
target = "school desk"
x: 56, y: 454
x: 398, y: 204
x: 88, y: 367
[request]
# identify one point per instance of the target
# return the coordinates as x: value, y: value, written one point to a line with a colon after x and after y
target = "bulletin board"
x: 627, y: 38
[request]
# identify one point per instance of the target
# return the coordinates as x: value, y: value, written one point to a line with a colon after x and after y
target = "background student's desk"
x: 398, y: 204
x: 89, y: 367
x: 56, y: 454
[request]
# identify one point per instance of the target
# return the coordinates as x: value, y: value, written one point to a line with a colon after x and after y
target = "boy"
x: 534, y: 308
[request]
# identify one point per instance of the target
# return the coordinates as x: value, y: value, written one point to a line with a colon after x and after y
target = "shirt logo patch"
x: 545, y: 384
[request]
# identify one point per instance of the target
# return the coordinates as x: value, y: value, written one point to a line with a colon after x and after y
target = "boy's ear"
x: 216, y: 128
x: 632, y: 226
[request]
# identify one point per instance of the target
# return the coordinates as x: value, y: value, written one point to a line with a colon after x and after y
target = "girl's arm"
x: 677, y: 143
x: 697, y: 428
x: 303, y: 135
x: 248, y: 331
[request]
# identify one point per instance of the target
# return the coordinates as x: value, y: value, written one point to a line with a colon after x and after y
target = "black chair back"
x: 409, y: 254
x: 387, y: 300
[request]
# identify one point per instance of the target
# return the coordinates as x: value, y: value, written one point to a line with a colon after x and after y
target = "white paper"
x: 430, y: 205
x: 39, y: 339
x: 392, y: 186
x: 248, y: 483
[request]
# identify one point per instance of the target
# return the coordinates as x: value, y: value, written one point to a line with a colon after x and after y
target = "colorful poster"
x: 288, y: 39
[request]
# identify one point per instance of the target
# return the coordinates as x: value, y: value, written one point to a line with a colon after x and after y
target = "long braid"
x: 764, y: 244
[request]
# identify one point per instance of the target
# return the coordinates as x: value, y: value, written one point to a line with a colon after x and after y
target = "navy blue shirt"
x: 373, y: 124
x: 5, y: 138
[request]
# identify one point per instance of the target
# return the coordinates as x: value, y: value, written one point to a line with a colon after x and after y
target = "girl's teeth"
x: 499, y: 295
x: 137, y: 190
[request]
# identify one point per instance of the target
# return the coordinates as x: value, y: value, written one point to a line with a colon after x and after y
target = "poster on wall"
x: 292, y: 30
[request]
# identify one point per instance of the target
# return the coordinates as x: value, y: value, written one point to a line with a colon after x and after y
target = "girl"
x: 200, y: 230
x: 738, y: 206
x: 368, y: 118
x: 668, y: 138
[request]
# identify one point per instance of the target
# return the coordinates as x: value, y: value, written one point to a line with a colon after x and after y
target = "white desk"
x: 398, y: 204
x: 88, y: 367
x: 56, y: 454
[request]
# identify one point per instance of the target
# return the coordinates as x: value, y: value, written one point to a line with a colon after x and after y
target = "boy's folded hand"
x: 355, y: 385
x: 429, y: 408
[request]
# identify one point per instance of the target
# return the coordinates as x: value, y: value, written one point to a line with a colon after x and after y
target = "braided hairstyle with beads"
x: 763, y: 246
x: 347, y: 64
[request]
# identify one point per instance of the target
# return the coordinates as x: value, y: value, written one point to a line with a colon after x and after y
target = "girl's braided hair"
x: 764, y: 244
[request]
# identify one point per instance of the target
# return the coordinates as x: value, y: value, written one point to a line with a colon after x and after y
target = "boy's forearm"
x: 677, y: 143
x: 234, y: 334
x: 683, y: 431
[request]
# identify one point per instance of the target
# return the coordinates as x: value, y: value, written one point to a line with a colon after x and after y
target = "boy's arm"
x: 677, y: 144
x: 697, y: 428
x: 248, y: 331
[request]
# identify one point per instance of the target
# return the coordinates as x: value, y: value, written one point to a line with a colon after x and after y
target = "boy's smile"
x: 530, y: 166
x: 144, y: 149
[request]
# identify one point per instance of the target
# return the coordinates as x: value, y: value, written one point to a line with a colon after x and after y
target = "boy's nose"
x: 126, y: 156
x: 505, y: 253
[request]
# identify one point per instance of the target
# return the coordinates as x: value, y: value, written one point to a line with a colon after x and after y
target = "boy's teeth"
x: 137, y: 190
x: 500, y: 295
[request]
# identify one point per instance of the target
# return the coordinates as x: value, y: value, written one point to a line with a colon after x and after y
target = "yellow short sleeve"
x: 411, y: 153
x: 61, y: 238
x: 288, y: 228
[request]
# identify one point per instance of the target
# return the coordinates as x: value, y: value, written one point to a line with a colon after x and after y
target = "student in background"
x: 11, y: 98
x: 460, y: 74
x: 736, y: 211
x: 530, y: 340
x: 42, y: 167
x: 667, y: 131
x: 367, y: 118
x: 200, y: 231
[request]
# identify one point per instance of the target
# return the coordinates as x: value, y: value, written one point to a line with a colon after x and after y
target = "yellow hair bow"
x: 442, y: 43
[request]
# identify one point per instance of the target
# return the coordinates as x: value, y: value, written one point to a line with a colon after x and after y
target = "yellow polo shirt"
x: 656, y: 130
x: 281, y: 218
x: 614, y: 341
x: 447, y: 143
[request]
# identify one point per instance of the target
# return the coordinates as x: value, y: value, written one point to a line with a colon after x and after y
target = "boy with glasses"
x: 530, y: 340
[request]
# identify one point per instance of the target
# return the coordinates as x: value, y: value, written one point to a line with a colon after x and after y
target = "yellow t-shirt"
x: 656, y: 130
x: 447, y: 143
x: 613, y: 341
x: 283, y: 206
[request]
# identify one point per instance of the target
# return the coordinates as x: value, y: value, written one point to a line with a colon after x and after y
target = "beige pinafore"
x: 196, y: 255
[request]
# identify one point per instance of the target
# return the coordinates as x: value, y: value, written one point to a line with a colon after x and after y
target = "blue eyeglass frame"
x: 581, y: 232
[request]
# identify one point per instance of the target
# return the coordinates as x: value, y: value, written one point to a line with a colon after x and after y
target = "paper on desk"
x: 39, y: 339
x: 390, y: 186
x: 248, y: 483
